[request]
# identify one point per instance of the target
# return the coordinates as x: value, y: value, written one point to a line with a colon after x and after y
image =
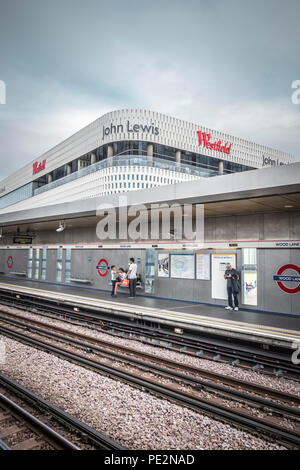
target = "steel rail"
x: 237, y: 416
x: 173, y: 373
x: 237, y: 352
x: 100, y: 440
x: 4, y: 446
x: 54, y: 438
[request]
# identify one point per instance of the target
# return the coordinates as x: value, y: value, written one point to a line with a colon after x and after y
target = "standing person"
x: 232, y: 277
x: 131, y: 275
x: 114, y: 278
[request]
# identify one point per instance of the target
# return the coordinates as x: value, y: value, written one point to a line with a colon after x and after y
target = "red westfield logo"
x: 37, y: 167
x: 204, y: 139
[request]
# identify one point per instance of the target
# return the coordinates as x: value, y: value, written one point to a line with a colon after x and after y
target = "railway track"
x: 160, y: 364
x: 264, y: 361
x: 27, y: 432
x: 9, y: 409
x: 215, y: 406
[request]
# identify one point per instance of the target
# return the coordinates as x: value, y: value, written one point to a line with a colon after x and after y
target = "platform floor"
x: 247, y: 317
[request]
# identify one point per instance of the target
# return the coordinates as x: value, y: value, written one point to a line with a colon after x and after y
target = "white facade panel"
x: 102, y: 183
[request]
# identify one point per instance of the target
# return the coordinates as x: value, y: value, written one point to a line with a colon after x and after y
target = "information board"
x: 183, y: 266
x: 218, y: 267
x: 203, y: 266
x: 23, y: 240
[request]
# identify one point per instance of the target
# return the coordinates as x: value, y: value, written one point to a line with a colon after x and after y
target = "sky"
x: 224, y: 64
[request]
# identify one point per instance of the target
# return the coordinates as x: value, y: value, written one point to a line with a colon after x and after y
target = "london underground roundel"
x: 102, y: 267
x: 10, y: 262
x: 281, y: 278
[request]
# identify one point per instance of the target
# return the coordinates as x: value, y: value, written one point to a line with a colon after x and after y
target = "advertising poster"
x: 163, y: 265
x: 183, y: 266
x: 203, y: 266
x: 218, y: 266
x: 250, y: 287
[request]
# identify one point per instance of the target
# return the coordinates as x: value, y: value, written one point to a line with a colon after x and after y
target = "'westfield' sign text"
x: 204, y: 139
x: 37, y: 167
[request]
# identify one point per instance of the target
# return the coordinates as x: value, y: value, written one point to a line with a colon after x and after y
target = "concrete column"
x: 110, y: 150
x: 150, y: 149
x: 69, y: 168
x: 49, y: 178
x: 178, y: 156
x: 93, y: 158
x: 221, y: 167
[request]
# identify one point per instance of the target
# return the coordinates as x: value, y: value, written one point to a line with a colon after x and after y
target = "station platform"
x: 255, y: 326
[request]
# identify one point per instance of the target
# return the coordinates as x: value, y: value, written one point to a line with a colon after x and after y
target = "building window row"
x: 207, y: 164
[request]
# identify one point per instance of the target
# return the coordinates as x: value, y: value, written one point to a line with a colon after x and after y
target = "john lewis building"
x: 127, y: 150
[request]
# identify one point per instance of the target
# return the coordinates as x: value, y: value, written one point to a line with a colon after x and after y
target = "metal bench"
x: 82, y: 281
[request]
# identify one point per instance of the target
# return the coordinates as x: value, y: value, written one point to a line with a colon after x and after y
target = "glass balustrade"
x: 129, y: 161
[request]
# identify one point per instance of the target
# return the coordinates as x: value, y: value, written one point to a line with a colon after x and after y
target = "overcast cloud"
x: 225, y: 64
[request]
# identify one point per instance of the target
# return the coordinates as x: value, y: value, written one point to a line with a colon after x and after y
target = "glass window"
x: 59, y: 264
x: 29, y: 263
x: 207, y: 164
x: 40, y: 182
x: 101, y: 153
x: 44, y: 264
x: 68, y: 265
x: 150, y: 270
x: 59, y: 173
x: 37, y: 264
x: 164, y: 152
x: 74, y: 166
x: 16, y: 196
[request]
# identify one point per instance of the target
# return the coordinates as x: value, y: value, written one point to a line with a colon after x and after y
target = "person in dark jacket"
x: 232, y: 277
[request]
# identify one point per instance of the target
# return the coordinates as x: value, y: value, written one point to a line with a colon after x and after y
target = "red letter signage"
x: 37, y: 167
x: 204, y: 139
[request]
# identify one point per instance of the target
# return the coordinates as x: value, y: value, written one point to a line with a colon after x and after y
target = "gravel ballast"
x: 277, y: 383
x: 132, y: 417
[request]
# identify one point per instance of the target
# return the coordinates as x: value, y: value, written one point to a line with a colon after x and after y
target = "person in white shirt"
x: 114, y: 276
x: 131, y: 275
